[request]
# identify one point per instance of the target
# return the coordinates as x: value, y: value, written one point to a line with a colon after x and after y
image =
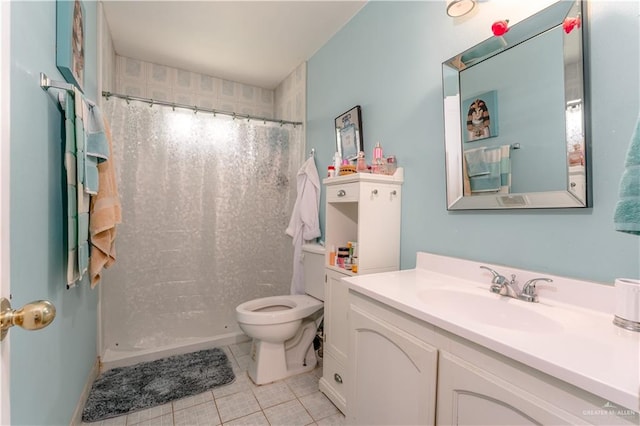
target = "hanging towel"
x: 85, y: 147
x: 67, y: 102
x: 104, y: 214
x: 96, y: 146
x: 627, y: 213
x: 498, y: 163
x: 304, y: 224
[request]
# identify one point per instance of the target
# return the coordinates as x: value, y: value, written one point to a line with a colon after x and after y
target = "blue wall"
x: 49, y: 367
x: 388, y: 60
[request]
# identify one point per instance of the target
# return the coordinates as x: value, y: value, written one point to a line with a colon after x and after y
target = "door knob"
x: 32, y: 316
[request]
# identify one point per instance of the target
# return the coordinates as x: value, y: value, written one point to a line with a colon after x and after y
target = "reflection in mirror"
x: 514, y: 110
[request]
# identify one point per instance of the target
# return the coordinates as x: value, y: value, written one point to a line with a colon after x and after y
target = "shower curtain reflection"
x: 205, y: 203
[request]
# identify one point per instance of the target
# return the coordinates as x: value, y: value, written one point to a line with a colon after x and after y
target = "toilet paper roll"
x: 628, y: 299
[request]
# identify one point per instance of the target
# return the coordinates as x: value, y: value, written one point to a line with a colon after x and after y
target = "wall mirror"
x: 515, y: 113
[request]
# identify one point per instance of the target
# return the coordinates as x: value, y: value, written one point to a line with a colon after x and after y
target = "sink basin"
x: 491, y: 309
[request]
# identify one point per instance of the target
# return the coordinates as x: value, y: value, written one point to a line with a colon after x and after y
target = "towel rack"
x: 46, y: 83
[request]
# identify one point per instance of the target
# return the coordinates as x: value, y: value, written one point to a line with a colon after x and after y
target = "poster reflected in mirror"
x: 349, y: 133
x: 481, y: 116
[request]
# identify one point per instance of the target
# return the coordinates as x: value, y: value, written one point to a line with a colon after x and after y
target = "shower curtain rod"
x: 197, y: 109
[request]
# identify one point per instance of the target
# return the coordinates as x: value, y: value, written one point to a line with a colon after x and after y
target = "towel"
x: 497, y: 162
x: 476, y: 162
x: 96, y: 147
x: 627, y: 214
x: 104, y: 214
x: 304, y: 224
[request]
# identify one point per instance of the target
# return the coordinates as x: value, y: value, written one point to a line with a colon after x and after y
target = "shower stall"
x: 205, y: 199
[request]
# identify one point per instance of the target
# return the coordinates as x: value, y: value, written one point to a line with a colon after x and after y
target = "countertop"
x: 569, y: 334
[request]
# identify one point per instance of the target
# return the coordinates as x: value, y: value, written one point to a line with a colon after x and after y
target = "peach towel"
x: 104, y: 214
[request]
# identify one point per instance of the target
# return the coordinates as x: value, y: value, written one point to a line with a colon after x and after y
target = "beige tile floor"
x: 289, y: 402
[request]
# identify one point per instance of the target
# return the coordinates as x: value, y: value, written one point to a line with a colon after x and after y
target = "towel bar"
x: 46, y: 83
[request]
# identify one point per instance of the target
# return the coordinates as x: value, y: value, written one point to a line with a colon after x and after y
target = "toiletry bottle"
x: 337, y: 160
x: 376, y: 164
x: 332, y: 256
x: 361, y: 166
x: 331, y: 171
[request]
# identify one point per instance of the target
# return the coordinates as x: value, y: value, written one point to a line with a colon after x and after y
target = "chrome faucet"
x: 529, y: 290
x: 501, y: 285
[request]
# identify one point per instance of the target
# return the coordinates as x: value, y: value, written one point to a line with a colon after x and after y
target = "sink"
x: 491, y: 309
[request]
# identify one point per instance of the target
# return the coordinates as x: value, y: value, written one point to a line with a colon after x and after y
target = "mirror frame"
x: 451, y: 70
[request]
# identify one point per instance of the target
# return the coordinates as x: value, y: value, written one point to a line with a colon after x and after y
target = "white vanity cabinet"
x: 468, y: 395
x: 406, y: 371
x: 364, y: 208
x: 392, y: 374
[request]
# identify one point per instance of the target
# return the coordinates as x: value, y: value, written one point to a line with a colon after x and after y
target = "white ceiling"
x: 253, y: 42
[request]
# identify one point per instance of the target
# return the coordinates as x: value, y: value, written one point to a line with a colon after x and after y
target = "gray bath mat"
x: 127, y: 389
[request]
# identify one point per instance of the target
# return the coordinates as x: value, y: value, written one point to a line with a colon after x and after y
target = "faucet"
x: 501, y: 285
x: 529, y: 290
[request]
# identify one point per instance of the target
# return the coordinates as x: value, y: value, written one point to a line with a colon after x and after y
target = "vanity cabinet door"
x: 468, y: 395
x: 336, y: 305
x: 392, y: 374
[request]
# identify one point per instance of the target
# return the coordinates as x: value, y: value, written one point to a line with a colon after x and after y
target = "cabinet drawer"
x: 334, y: 378
x: 342, y: 193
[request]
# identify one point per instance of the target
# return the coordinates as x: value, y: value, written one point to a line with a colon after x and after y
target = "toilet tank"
x: 313, y: 264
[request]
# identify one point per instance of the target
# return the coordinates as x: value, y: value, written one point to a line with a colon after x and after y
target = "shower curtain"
x: 205, y: 202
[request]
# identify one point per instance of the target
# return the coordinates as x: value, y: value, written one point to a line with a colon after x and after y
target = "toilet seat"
x: 277, y: 309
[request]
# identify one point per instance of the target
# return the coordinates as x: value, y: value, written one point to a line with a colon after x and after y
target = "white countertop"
x: 568, y: 335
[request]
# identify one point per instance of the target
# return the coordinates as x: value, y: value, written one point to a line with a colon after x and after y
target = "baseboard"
x: 113, y: 359
x: 93, y: 374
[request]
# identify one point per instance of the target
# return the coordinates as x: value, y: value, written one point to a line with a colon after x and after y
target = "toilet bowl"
x: 283, y: 327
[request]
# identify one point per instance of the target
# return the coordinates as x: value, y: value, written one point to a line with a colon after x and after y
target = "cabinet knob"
x: 337, y: 378
x: 342, y: 193
x: 374, y: 192
x: 394, y: 192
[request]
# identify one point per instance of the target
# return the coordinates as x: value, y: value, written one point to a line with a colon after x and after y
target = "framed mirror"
x: 515, y: 113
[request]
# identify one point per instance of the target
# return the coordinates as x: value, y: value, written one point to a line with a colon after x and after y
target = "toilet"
x: 283, y: 327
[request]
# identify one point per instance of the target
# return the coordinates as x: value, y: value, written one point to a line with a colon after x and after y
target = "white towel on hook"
x: 304, y: 224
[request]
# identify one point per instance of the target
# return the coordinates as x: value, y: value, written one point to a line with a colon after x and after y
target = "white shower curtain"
x: 205, y: 202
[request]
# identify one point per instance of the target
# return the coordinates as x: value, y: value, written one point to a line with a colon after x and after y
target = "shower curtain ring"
x: 151, y: 104
x: 234, y: 115
x: 127, y: 99
x: 281, y: 123
x: 173, y: 107
x: 195, y: 109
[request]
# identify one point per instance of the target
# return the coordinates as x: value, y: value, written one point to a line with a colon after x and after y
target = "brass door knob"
x: 32, y: 316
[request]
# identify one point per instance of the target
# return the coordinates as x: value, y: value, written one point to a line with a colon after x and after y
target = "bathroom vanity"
x: 364, y: 208
x: 433, y: 345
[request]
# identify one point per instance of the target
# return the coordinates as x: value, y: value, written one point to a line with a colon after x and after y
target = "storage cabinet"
x: 468, y: 395
x: 396, y: 363
x: 363, y: 208
x: 392, y: 374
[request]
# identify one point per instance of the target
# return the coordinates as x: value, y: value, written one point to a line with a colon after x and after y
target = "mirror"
x: 515, y: 111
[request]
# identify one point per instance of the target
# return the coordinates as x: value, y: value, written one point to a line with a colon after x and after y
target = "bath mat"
x: 124, y: 390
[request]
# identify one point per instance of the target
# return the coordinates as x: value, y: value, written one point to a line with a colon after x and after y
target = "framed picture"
x: 70, y: 41
x: 349, y: 133
x: 480, y: 116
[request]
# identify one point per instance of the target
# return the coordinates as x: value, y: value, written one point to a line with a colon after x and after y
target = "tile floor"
x: 289, y: 402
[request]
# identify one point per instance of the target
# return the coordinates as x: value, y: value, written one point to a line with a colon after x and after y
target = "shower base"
x: 121, y: 357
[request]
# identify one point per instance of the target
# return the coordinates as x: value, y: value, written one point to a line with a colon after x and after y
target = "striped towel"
x: 495, y: 164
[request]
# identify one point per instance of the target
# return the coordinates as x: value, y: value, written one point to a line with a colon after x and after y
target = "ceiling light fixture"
x: 456, y: 8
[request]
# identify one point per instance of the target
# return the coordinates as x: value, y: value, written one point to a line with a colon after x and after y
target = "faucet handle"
x: 529, y: 290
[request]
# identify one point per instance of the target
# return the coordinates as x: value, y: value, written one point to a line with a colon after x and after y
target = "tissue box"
x: 627, y: 313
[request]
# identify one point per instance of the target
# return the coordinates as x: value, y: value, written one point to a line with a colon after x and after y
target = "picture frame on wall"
x: 480, y: 116
x: 70, y: 41
x: 349, y: 133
